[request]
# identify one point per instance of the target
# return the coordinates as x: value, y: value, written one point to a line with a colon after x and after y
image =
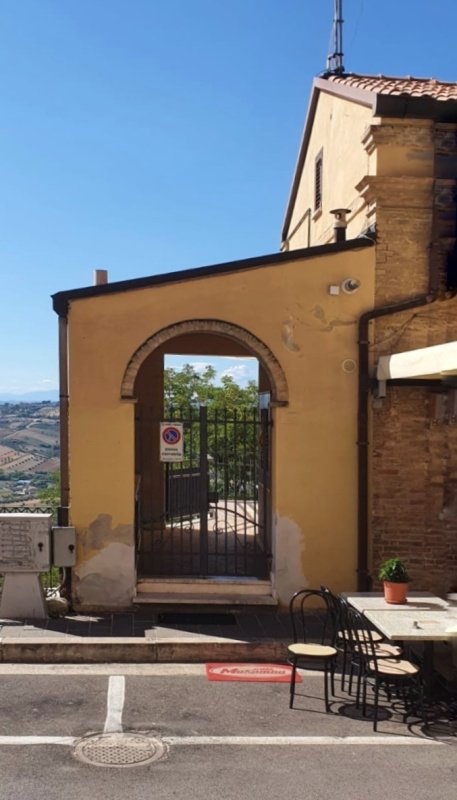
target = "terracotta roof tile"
x: 413, y: 87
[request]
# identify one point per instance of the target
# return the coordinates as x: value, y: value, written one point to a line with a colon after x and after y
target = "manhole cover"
x: 119, y: 750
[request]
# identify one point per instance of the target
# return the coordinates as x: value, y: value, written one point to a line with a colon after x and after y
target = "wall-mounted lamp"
x: 350, y: 285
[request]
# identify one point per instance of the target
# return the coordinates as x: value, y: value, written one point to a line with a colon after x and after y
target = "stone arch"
x: 271, y: 365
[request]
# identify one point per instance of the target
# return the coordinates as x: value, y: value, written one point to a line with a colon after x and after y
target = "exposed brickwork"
x: 416, y: 137
x: 415, y: 488
x: 414, y: 431
x: 269, y: 362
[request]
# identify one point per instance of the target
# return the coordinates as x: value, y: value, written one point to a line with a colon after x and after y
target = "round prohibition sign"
x: 171, y: 435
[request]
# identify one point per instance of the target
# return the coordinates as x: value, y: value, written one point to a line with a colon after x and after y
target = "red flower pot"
x: 395, y: 592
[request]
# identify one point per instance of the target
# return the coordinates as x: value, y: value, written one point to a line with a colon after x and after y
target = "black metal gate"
x: 213, y: 514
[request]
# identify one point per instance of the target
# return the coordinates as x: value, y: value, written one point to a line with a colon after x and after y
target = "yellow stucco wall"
x: 338, y: 130
x: 314, y: 337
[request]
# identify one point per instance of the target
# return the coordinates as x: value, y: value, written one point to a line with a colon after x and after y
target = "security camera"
x: 350, y: 285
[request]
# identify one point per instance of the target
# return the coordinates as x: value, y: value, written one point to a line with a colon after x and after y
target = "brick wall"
x: 414, y: 486
x: 414, y: 430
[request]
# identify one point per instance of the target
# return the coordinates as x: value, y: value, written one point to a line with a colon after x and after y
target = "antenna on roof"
x: 335, y: 58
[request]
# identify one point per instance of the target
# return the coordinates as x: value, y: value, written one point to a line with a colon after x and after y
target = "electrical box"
x: 63, y: 546
x: 25, y: 541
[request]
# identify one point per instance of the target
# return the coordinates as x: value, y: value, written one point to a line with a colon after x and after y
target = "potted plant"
x: 395, y: 577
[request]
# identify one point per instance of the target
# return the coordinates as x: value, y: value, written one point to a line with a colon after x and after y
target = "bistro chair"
x: 357, y: 643
x: 313, y: 629
x: 338, y: 608
x: 375, y: 670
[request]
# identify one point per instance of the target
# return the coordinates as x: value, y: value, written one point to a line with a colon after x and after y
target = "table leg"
x: 427, y: 666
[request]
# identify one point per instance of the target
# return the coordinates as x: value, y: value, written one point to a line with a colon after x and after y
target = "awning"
x: 429, y: 363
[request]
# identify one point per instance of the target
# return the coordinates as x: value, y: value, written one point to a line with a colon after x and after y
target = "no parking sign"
x: 171, y: 441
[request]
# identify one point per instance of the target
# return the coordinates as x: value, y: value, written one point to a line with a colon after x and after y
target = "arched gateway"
x: 217, y: 328
x: 202, y: 475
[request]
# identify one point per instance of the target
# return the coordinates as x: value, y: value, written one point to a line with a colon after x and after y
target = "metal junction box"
x: 63, y: 546
x: 25, y: 541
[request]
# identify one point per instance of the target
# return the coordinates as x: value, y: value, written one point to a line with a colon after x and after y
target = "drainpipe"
x: 100, y: 277
x: 63, y: 515
x: 363, y: 577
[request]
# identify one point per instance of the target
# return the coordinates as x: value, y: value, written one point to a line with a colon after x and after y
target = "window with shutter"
x: 318, y: 181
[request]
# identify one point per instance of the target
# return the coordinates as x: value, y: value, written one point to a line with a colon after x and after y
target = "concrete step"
x: 215, y: 598
x: 200, y: 586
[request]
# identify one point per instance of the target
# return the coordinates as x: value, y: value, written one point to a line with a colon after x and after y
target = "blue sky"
x: 143, y: 136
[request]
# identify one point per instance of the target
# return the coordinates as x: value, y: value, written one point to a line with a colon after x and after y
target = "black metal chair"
x: 339, y: 606
x: 375, y: 670
x: 314, y: 630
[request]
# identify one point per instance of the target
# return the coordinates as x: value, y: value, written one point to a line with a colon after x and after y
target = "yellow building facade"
x: 318, y: 317
x: 277, y: 309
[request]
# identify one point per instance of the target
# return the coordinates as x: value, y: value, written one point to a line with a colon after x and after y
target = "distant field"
x: 8, y: 456
x: 29, y: 449
x: 5, y: 451
x: 50, y: 465
x: 23, y: 463
x: 35, y: 435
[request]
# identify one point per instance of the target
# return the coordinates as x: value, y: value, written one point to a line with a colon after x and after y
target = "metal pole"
x: 335, y: 59
x: 203, y: 490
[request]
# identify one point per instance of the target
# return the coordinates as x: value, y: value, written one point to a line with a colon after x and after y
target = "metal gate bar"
x: 215, y: 514
x: 203, y: 490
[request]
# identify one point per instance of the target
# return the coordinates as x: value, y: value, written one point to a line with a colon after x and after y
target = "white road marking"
x: 24, y: 740
x: 240, y: 741
x: 281, y: 741
x: 148, y: 670
x: 115, y: 704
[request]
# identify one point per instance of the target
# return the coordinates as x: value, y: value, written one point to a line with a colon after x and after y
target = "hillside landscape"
x: 29, y: 450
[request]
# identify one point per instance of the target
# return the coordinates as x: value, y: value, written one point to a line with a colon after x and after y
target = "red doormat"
x: 261, y: 673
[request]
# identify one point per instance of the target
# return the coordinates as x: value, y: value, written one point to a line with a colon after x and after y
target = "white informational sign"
x: 171, y: 441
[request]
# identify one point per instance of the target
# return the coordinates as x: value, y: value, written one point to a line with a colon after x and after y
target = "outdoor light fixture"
x: 350, y: 285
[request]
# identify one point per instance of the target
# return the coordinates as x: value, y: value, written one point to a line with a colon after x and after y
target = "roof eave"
x: 404, y: 105
x: 61, y: 300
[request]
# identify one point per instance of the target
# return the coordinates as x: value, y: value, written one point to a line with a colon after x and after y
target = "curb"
x: 50, y: 650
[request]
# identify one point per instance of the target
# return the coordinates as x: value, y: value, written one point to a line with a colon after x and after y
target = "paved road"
x: 222, y: 740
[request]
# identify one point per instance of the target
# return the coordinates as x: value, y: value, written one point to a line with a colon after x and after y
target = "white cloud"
x: 237, y: 373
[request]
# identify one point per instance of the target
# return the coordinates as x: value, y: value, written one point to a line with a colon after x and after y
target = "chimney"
x: 340, y: 224
x: 100, y: 277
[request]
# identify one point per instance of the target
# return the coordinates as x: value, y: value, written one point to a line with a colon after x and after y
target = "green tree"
x: 233, y: 426
x: 188, y: 389
x: 50, y: 495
